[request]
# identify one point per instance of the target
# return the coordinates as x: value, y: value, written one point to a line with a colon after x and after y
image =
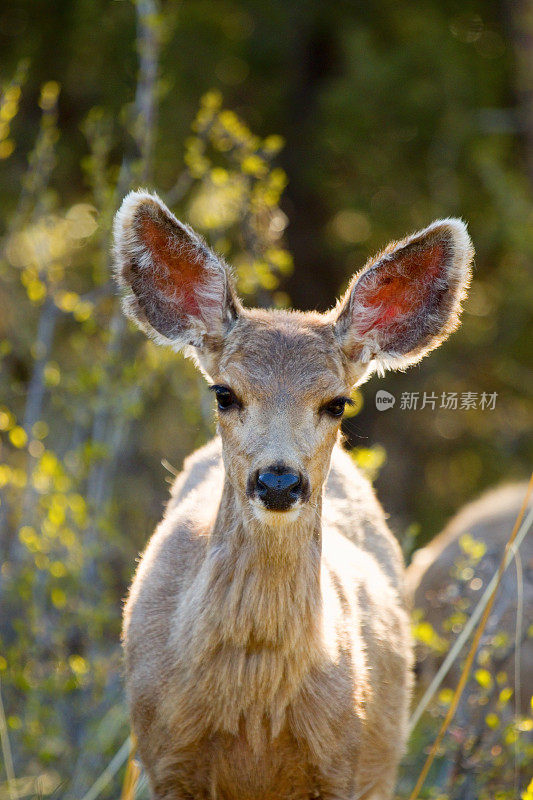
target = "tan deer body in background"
x: 268, y: 652
x: 435, y: 581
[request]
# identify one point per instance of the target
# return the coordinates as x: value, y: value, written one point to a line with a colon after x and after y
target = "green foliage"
x: 237, y: 197
x: 73, y: 514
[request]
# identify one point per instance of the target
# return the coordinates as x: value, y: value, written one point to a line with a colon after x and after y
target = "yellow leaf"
x: 219, y: 176
x: 29, y: 538
x: 425, y: 633
x: 59, y: 598
x: 280, y: 258
x: 83, y: 311
x: 472, y: 547
x: 5, y: 474
x: 211, y: 100
x: 52, y: 375
x: 484, y: 678
x: 49, y: 95
x: 6, y: 148
x: 67, y: 301
x: 58, y: 569
x: 446, y: 696
x: 7, y: 420
x: 78, y: 664
x: 492, y: 720
x: 18, y: 436
x: 254, y: 165
x: 505, y: 695
x: 273, y: 143
x: 40, y: 430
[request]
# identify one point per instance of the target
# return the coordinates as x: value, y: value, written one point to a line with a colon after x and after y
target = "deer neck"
x: 264, y: 579
x: 251, y: 622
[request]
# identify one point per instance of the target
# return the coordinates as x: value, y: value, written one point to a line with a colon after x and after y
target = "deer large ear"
x: 175, y: 288
x: 406, y: 300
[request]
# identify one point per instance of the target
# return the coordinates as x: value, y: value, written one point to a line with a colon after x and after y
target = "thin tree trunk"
x: 33, y: 412
x: 109, y: 425
x: 43, y: 344
x: 106, y: 425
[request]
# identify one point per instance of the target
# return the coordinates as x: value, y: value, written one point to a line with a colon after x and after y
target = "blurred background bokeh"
x: 299, y: 137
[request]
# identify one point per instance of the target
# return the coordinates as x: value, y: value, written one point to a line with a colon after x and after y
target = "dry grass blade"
x: 110, y: 771
x: 6, y: 751
x: 473, y: 650
x: 518, y: 645
x: 132, y: 774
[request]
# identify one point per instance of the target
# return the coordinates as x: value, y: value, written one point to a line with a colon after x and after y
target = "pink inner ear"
x: 183, y: 274
x: 401, y: 286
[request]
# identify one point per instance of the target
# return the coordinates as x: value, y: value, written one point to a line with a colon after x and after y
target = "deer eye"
x: 225, y: 398
x: 335, y: 407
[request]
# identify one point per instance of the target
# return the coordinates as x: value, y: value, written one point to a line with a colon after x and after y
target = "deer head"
x: 282, y: 378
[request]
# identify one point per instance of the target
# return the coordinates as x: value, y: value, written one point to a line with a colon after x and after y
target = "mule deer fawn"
x: 268, y: 652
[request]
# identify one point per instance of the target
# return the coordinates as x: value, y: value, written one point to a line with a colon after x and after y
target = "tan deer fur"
x: 268, y: 653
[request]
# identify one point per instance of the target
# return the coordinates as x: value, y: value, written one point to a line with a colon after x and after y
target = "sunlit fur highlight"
x: 433, y: 326
x: 268, y: 655
x: 134, y: 259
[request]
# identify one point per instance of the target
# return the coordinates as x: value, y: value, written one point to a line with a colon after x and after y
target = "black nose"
x: 278, y: 488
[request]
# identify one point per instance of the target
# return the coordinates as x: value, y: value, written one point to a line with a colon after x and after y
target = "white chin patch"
x: 274, y: 518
